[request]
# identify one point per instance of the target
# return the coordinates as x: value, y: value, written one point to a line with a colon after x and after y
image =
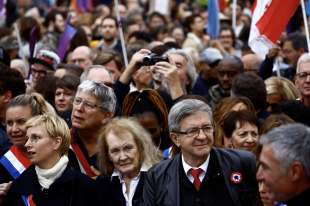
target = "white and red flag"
x: 269, y: 20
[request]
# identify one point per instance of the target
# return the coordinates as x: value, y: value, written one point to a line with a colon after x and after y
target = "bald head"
x: 97, y: 73
x: 82, y: 56
x: 251, y: 63
x: 231, y: 62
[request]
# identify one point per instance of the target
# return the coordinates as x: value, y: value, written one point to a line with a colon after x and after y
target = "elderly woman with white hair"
x: 126, y: 152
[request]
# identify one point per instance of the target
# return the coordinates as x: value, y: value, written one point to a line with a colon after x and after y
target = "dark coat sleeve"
x: 149, y: 189
x: 265, y: 69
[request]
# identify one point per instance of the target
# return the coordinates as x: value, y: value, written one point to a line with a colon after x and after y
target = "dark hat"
x: 47, y: 58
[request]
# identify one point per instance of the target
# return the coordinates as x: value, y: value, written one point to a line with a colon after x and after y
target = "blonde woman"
x: 50, y: 180
x: 126, y: 152
x: 279, y: 89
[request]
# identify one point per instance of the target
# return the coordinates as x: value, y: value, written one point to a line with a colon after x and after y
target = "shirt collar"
x: 116, y: 173
x: 203, y: 166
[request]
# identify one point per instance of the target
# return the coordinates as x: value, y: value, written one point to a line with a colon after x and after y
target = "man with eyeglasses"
x: 93, y: 105
x: 299, y: 110
x: 199, y: 174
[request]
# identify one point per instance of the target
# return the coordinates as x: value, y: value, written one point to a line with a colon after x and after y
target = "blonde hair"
x: 149, y: 154
x: 35, y: 101
x: 55, y: 126
x: 281, y: 86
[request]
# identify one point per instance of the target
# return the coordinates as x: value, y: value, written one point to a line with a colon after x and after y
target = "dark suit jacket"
x: 162, y: 186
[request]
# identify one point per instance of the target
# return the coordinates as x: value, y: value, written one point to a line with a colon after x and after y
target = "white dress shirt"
x: 187, y: 169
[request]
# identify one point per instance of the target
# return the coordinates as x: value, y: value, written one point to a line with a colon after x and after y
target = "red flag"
x: 269, y: 21
x: 222, y: 5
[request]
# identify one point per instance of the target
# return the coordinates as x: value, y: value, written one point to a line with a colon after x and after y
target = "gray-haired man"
x: 285, y: 164
x: 199, y: 174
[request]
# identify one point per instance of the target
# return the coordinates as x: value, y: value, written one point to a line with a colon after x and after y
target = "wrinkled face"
x: 290, y: 54
x: 265, y: 194
x: 226, y: 39
x: 59, y: 23
x: 123, y: 153
x: 245, y: 137
x: 16, y: 118
x: 226, y: 74
x: 181, y: 64
x: 81, y: 58
x: 274, y: 176
x: 195, y: 146
x: 109, y: 29
x: 38, y: 72
x: 63, y: 99
x: 302, y: 80
x: 42, y: 150
x: 86, y: 112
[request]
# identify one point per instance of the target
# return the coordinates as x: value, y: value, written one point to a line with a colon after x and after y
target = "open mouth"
x: 31, y: 153
x: 17, y: 137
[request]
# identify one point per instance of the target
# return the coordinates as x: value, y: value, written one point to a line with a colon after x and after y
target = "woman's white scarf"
x: 47, y: 177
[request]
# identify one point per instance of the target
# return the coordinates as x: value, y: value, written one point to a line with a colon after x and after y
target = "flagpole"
x: 20, y: 44
x: 234, y: 15
x: 121, y: 33
x: 306, y: 23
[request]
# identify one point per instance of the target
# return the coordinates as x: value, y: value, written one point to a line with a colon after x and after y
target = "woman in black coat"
x: 50, y: 180
x: 126, y: 152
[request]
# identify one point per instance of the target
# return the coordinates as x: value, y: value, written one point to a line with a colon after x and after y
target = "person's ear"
x: 175, y: 139
x: 57, y: 143
x: 296, y: 171
x: 106, y: 117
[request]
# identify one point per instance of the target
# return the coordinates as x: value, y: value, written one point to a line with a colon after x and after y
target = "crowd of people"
x: 189, y: 120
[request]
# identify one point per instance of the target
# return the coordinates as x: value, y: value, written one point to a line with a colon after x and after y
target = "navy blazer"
x: 162, y: 183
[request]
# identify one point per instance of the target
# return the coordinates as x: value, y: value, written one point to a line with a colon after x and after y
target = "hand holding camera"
x: 167, y: 70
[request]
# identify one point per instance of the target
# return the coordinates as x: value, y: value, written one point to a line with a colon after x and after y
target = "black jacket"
x: 162, y: 186
x: 71, y: 189
x: 115, y: 193
x: 301, y: 199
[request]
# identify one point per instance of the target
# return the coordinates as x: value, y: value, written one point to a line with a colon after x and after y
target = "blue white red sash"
x: 84, y: 165
x: 16, y: 163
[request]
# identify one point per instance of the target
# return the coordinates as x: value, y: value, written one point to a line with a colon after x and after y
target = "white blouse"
x: 132, y: 187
